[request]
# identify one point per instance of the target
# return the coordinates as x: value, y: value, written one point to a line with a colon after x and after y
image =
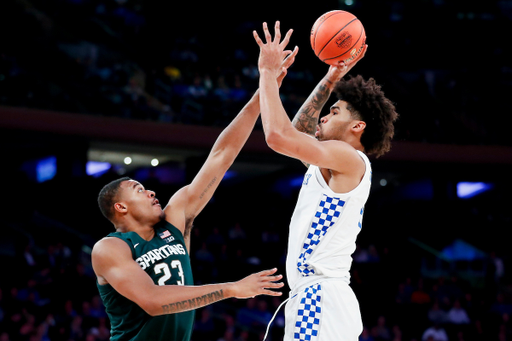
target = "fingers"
x: 277, y: 35
x: 267, y: 272
x: 267, y: 291
x: 268, y: 36
x: 269, y: 282
x: 277, y: 32
x: 257, y: 38
x: 286, y: 39
x: 290, y: 58
x: 359, y: 57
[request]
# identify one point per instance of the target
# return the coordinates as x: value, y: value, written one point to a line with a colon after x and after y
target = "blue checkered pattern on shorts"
x: 308, y: 316
x: 328, y: 211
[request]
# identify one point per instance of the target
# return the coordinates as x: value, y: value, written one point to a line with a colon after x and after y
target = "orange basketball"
x: 337, y: 36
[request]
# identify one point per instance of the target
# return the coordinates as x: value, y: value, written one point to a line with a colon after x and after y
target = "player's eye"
x: 141, y: 190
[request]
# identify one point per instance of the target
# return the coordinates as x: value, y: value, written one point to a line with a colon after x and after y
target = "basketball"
x: 337, y: 36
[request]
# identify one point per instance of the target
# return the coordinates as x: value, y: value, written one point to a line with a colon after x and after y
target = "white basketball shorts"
x: 326, y: 311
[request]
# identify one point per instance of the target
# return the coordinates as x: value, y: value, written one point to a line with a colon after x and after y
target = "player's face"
x: 141, y: 203
x: 335, y: 125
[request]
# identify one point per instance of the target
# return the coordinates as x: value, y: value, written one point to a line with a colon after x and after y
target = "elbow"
x: 275, y: 141
x: 151, y: 308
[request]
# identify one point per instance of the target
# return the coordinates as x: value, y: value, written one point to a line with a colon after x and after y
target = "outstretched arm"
x: 186, y: 204
x: 113, y: 264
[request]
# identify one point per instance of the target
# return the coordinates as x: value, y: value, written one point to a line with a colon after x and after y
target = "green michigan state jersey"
x: 165, y: 259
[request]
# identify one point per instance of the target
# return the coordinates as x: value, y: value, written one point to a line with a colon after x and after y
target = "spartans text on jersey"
x: 163, y: 252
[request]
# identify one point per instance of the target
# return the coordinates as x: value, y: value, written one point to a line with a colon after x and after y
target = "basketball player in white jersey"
x: 329, y: 211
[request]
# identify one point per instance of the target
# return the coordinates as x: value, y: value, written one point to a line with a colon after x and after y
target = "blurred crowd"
x: 140, y: 60
x: 48, y: 289
x: 147, y: 61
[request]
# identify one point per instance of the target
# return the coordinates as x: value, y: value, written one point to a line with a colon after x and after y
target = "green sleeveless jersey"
x: 165, y: 259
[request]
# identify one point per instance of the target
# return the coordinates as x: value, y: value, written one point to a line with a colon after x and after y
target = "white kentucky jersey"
x: 324, y: 227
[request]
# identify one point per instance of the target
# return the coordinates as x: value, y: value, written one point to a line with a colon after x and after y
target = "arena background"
x: 86, y: 83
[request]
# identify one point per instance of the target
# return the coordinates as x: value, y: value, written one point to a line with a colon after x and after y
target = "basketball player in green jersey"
x: 143, y: 269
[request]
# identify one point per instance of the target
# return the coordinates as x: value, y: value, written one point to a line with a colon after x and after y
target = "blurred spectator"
x: 434, y: 333
x: 236, y: 232
x: 229, y: 335
x: 247, y: 315
x: 437, y: 315
x: 203, y: 254
x: 28, y: 256
x: 500, y: 306
x: 262, y: 314
x: 498, y: 265
x: 457, y: 314
x: 100, y: 330
x: 397, y: 333
x: 402, y: 296
x: 420, y: 296
x: 96, y: 308
x: 204, y: 326
x: 365, y: 335
x: 381, y: 331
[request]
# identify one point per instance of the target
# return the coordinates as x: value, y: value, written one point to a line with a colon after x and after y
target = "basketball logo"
x: 344, y: 40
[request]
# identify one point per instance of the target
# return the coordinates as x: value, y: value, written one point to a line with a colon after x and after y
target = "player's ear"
x: 120, y: 207
x: 359, y: 126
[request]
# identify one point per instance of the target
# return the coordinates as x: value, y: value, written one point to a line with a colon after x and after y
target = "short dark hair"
x: 107, y: 197
x: 369, y: 103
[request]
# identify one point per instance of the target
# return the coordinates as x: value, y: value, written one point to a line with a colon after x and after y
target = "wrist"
x: 329, y: 82
x: 229, y: 290
x: 267, y: 72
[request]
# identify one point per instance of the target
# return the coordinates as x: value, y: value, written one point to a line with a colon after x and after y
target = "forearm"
x: 273, y: 116
x: 307, y: 117
x: 175, y: 299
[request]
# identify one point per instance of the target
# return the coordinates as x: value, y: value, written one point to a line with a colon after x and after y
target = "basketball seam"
x: 316, y: 31
x: 360, y: 35
x: 341, y: 29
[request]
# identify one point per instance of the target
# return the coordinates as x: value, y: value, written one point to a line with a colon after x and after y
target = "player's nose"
x: 151, y: 194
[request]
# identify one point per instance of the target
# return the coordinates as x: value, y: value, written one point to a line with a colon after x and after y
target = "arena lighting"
x: 46, y: 169
x: 229, y: 174
x: 127, y: 160
x: 154, y: 162
x: 296, y: 182
x: 96, y: 168
x: 467, y: 190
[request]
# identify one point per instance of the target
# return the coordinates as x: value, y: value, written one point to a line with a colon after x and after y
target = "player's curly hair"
x: 107, y: 197
x: 367, y: 102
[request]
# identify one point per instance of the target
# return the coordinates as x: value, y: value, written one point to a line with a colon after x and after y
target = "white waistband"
x: 308, y: 281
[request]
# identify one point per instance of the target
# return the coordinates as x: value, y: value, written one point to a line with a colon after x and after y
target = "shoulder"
x: 108, y: 247
x: 346, y: 158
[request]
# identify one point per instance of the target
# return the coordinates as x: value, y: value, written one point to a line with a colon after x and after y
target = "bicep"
x: 335, y: 155
x: 113, y: 262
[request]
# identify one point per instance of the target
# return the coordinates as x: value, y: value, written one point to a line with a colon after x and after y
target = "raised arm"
x: 280, y: 133
x: 186, y: 204
x: 113, y: 264
x: 308, y: 115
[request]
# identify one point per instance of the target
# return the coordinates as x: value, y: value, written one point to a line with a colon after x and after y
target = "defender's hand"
x: 272, y: 52
x: 258, y: 284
